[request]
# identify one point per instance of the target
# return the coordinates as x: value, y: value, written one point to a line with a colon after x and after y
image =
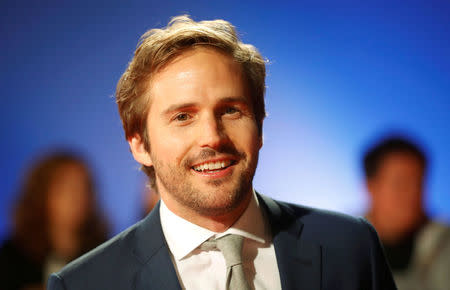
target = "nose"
x: 211, y: 133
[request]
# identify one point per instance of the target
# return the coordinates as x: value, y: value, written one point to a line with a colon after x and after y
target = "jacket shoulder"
x: 100, y: 268
x: 350, y: 251
x: 320, y: 217
x: 328, y: 228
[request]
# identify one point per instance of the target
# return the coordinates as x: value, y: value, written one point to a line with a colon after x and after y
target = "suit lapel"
x: 151, y: 250
x: 299, y: 261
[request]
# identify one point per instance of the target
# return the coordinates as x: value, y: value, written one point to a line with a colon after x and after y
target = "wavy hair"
x: 158, y: 46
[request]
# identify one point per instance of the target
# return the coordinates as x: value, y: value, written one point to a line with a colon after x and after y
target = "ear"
x: 260, y: 141
x: 138, y: 150
x: 261, y: 136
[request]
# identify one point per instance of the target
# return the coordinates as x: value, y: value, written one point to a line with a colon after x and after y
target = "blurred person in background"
x: 150, y: 198
x: 417, y: 248
x: 55, y: 219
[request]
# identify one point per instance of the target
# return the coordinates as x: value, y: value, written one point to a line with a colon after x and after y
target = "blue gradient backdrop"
x: 340, y: 74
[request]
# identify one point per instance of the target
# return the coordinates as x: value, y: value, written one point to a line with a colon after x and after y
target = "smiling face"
x: 204, y: 140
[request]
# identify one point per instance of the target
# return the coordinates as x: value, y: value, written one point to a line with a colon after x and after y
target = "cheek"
x: 69, y: 206
x: 169, y: 147
x: 60, y: 209
x: 386, y: 201
x: 53, y: 208
x: 385, y: 198
x: 246, y: 136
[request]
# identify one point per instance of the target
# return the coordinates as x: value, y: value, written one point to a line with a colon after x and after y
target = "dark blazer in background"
x: 315, y: 249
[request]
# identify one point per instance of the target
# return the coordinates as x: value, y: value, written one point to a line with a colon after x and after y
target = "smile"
x: 213, y: 166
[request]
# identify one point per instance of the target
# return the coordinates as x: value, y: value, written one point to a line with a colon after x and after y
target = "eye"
x: 231, y: 110
x: 181, y: 117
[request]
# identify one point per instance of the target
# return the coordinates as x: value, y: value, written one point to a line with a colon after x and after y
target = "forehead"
x: 404, y: 161
x: 199, y: 72
x: 70, y: 170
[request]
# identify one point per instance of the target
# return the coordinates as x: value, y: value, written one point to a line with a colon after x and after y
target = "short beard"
x: 206, y: 204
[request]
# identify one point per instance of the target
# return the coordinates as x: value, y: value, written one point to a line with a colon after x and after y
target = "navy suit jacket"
x: 315, y: 249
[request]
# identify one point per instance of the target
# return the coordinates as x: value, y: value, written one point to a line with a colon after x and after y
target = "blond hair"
x: 158, y: 46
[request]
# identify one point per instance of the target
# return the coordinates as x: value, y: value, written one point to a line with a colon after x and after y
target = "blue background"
x: 341, y: 73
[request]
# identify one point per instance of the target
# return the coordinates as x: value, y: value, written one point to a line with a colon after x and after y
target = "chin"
x: 218, y: 204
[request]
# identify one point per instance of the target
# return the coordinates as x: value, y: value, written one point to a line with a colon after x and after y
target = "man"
x: 418, y: 249
x: 192, y: 105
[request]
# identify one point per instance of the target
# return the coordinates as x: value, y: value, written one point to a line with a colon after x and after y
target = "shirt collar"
x: 183, y: 236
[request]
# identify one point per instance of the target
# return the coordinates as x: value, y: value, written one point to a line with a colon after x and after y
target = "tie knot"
x: 231, y: 248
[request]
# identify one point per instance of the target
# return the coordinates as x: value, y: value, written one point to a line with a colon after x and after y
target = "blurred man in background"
x: 417, y: 248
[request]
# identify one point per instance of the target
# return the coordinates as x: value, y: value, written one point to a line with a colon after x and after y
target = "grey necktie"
x: 231, y: 248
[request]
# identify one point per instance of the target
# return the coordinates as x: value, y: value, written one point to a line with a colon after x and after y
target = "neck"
x: 216, y: 223
x: 64, y: 243
x: 390, y: 235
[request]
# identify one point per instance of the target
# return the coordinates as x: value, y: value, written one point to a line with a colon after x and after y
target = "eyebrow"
x: 178, y: 107
x: 238, y: 99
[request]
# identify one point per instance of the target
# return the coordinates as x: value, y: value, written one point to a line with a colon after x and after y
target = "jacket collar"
x: 299, y: 261
x: 151, y: 250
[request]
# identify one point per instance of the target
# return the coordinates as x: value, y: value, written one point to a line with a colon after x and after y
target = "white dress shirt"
x: 199, y: 269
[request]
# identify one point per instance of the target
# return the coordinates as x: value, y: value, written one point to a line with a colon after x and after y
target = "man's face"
x: 204, y: 139
x: 396, y: 192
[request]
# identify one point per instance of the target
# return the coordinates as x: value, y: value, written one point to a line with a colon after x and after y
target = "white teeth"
x: 212, y: 165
